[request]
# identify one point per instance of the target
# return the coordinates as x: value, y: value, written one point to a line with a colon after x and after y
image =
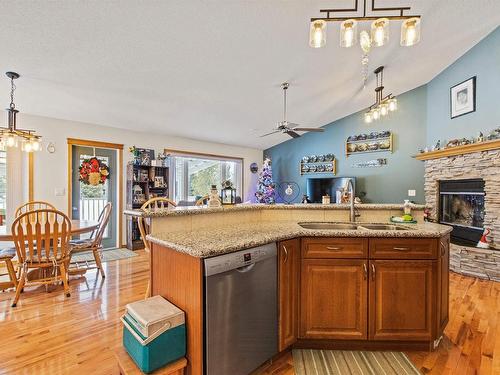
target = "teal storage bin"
x: 163, y: 346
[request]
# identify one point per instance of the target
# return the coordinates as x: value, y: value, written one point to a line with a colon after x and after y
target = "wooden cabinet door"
x: 444, y: 283
x: 288, y: 273
x: 402, y: 295
x: 333, y: 299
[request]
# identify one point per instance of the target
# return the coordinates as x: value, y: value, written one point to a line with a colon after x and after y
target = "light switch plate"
x: 60, y: 192
x: 412, y: 193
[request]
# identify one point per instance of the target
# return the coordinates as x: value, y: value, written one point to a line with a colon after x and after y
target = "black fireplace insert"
x: 461, y: 205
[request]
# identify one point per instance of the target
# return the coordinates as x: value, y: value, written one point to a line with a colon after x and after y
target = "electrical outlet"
x: 60, y: 192
x: 412, y: 193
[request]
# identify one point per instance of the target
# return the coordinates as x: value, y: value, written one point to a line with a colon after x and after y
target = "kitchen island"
x: 348, y: 287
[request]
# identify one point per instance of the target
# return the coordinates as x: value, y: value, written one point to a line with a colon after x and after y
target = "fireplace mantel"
x: 460, y: 150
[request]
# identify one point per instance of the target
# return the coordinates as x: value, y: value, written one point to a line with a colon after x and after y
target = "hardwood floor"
x: 51, y: 334
x: 48, y: 333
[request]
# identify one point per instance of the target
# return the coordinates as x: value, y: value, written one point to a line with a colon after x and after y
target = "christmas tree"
x: 265, y: 188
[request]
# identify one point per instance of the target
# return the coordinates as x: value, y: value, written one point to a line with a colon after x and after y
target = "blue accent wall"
x: 482, y: 61
x: 423, y: 117
x: 387, y: 184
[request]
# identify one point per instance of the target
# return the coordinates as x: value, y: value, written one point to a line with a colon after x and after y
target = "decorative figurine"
x: 483, y: 242
x: 480, y: 137
x: 437, y: 146
x: 213, y: 197
x: 305, y: 199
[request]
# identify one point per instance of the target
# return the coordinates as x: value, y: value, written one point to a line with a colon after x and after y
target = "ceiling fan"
x: 290, y: 128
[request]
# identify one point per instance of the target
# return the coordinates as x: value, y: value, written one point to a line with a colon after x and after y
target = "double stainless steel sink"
x: 351, y: 226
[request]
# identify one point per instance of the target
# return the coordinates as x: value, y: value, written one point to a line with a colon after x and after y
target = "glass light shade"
x: 393, y: 104
x: 376, y: 114
x: 384, y: 109
x: 35, y: 144
x: 365, y: 41
x: 348, y: 33
x: 27, y: 146
x: 11, y: 141
x: 380, y: 31
x: 368, y: 117
x: 410, y: 32
x: 317, y: 34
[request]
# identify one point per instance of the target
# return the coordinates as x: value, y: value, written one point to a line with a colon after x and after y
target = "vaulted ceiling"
x: 211, y: 69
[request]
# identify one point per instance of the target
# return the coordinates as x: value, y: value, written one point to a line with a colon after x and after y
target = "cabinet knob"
x: 286, y: 254
x: 365, y: 271
x: 373, y: 272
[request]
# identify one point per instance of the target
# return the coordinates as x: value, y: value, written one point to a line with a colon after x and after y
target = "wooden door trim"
x: 115, y: 146
x: 90, y: 143
x: 31, y: 179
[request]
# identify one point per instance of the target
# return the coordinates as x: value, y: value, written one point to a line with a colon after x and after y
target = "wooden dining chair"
x: 154, y: 204
x: 42, y: 239
x: 8, y: 254
x: 32, y: 206
x: 202, y: 201
x: 93, y: 243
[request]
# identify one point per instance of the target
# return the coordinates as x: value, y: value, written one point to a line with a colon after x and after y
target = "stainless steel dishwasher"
x: 241, y: 310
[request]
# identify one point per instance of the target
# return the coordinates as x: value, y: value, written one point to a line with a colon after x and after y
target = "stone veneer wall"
x: 485, y: 165
x: 470, y: 261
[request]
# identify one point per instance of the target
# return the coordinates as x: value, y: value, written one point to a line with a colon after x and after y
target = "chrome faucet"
x: 350, y: 188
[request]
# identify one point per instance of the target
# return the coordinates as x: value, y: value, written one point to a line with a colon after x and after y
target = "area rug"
x: 107, y: 255
x: 343, y: 362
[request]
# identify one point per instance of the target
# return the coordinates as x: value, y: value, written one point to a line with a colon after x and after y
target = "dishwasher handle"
x: 246, y: 268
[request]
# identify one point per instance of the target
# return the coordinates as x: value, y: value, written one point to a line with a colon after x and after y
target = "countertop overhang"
x: 200, y: 210
x: 208, y: 242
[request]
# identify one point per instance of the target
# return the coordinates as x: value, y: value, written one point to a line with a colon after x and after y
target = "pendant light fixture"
x: 317, y: 34
x: 348, y: 33
x: 380, y: 17
x: 11, y: 136
x: 383, y: 104
x: 410, y: 32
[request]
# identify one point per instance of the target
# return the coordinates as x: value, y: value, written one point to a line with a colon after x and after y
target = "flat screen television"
x: 317, y: 187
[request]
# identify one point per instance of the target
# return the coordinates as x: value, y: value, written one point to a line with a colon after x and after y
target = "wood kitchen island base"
x: 334, y: 293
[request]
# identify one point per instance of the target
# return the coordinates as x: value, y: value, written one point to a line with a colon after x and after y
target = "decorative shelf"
x: 368, y: 141
x: 460, y: 150
x: 316, y: 164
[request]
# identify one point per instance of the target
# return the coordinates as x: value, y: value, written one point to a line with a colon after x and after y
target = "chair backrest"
x: 152, y: 204
x: 158, y: 203
x: 202, y: 201
x: 31, y: 206
x: 41, y: 236
x: 103, y: 220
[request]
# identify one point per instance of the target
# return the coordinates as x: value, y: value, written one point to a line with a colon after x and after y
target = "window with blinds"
x: 193, y: 175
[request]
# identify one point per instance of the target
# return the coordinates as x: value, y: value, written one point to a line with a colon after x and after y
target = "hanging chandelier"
x: 383, y: 104
x: 11, y: 136
x: 379, y: 31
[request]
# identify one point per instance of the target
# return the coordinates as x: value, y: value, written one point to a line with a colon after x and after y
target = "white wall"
x: 51, y: 170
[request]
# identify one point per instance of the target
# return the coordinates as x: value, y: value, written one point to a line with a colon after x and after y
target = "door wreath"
x: 93, y: 171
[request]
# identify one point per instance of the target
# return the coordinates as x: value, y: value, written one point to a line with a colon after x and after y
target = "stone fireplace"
x: 475, y: 208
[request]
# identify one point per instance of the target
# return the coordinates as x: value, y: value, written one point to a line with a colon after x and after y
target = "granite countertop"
x: 218, y: 241
x: 198, y: 210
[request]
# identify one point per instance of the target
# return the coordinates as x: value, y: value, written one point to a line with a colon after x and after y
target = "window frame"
x: 201, y: 155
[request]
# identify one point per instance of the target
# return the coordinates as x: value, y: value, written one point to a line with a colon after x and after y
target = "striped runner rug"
x: 108, y: 255
x: 343, y: 362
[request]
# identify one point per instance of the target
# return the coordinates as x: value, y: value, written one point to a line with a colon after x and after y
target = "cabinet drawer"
x: 334, y: 248
x: 403, y: 248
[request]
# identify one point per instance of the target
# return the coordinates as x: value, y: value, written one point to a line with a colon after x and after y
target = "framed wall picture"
x: 463, y: 98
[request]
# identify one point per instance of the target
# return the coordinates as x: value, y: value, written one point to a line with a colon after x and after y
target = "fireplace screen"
x: 464, y: 209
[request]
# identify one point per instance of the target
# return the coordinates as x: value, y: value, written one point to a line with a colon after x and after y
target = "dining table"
x: 77, y: 227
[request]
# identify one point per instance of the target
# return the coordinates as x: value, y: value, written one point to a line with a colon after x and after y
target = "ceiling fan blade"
x: 309, y: 129
x: 292, y: 134
x: 274, y: 132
